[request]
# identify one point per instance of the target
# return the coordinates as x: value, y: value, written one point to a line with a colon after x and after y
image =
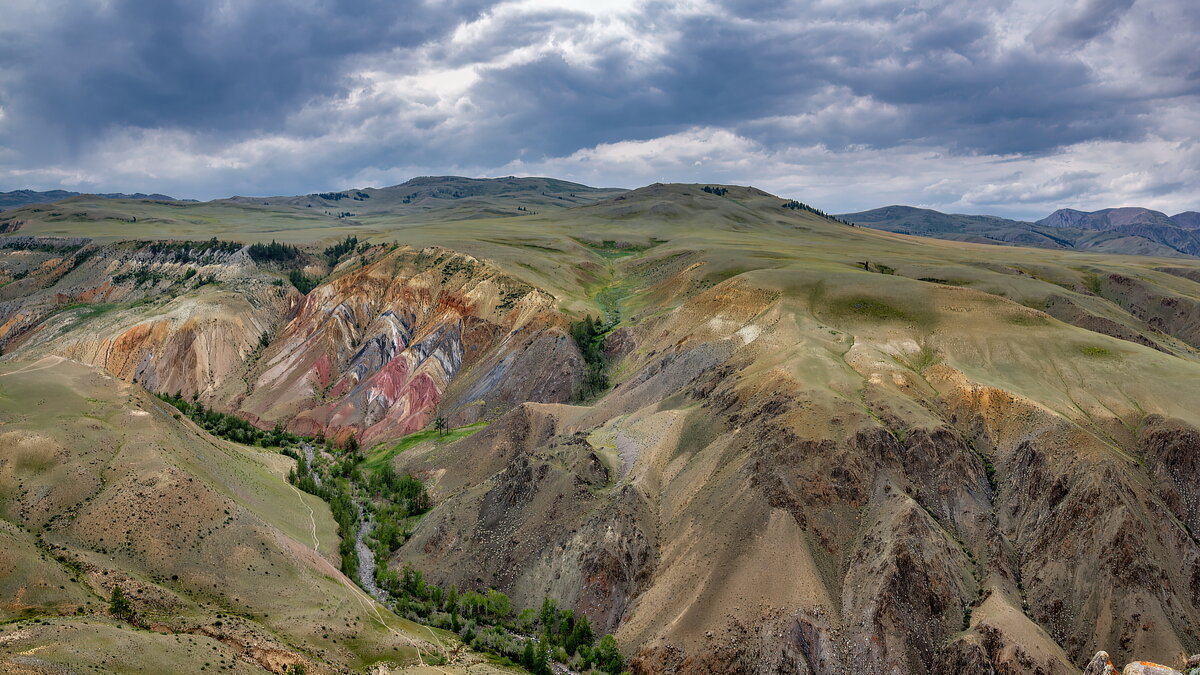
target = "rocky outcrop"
x: 839, y: 535
x: 175, y: 316
x: 1100, y: 664
x: 1148, y: 668
x: 378, y: 350
x: 373, y: 353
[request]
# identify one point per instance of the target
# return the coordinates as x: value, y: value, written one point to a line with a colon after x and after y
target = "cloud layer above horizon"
x: 1011, y: 109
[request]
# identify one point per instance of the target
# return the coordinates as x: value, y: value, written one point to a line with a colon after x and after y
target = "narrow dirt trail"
x: 54, y: 361
x: 312, y: 517
x: 376, y: 597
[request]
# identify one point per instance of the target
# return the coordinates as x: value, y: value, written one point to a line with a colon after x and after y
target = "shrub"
x: 119, y: 606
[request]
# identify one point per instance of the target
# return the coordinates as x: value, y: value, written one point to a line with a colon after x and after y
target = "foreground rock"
x: 1147, y: 668
x: 1101, y: 664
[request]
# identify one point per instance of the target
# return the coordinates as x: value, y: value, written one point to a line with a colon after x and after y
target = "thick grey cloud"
x: 1086, y: 20
x: 211, y: 97
x: 73, y: 70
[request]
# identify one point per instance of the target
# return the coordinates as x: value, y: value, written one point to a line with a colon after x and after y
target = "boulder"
x: 1100, y: 665
x: 1148, y: 668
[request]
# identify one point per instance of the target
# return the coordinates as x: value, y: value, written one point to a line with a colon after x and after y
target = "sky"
x: 1009, y: 108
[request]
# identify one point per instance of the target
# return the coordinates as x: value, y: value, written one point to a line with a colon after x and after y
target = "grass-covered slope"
x: 224, y: 563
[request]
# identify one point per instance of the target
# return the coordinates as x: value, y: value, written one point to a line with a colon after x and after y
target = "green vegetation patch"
x: 611, y: 248
x: 335, y: 486
x: 1027, y: 320
x: 232, y: 427
x: 190, y: 251
x: 589, y: 336
x: 303, y: 283
x: 382, y: 455
x: 487, y: 622
x: 334, y: 253
x: 870, y: 308
x: 86, y: 312
x: 1096, y: 352
x: 274, y: 252
x: 53, y: 246
x: 609, y: 301
x: 919, y: 362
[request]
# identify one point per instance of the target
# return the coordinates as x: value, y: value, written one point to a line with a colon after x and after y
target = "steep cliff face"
x: 374, y: 352
x: 177, y: 317
x: 779, y: 485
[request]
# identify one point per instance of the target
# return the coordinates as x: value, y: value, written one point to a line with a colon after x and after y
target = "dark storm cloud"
x: 1082, y: 22
x: 942, y: 69
x: 212, y: 66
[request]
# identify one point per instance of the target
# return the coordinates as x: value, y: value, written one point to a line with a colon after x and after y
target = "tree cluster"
x: 119, y: 605
x: 337, y: 490
x: 139, y: 276
x: 56, y: 246
x: 589, y: 336
x: 274, y: 252
x: 487, y: 622
x: 302, y: 282
x: 190, y: 251
x: 358, y: 196
x: 334, y: 253
x: 801, y: 206
x: 230, y: 427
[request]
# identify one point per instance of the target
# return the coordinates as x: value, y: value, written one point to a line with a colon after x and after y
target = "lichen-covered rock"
x: 1100, y: 665
x: 1148, y: 668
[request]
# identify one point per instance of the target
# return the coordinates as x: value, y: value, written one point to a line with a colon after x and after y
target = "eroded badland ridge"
x: 781, y: 444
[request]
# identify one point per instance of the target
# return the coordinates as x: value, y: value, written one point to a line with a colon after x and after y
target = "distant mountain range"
x: 1129, y: 230
x: 451, y: 197
x: 10, y: 200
